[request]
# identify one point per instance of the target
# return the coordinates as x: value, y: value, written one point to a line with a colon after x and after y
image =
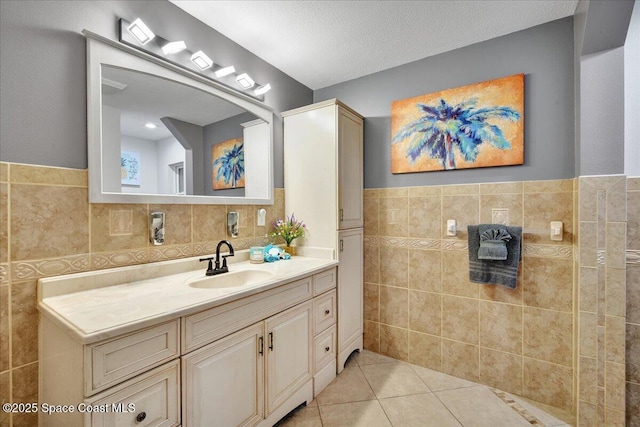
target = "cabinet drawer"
x: 113, y: 361
x: 207, y: 326
x: 324, y: 348
x: 324, y: 310
x: 324, y: 281
x: 152, y: 400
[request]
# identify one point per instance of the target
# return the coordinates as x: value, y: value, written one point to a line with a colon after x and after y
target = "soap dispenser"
x: 156, y: 228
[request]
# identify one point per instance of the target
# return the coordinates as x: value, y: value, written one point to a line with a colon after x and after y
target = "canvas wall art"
x: 129, y: 168
x: 475, y: 126
x: 228, y: 164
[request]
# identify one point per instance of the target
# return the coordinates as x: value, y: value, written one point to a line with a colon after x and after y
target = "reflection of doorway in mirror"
x: 178, y: 177
x: 228, y: 164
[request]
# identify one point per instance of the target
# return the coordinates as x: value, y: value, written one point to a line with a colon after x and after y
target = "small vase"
x: 291, y: 250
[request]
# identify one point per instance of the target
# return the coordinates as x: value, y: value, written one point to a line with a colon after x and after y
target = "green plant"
x: 289, y: 229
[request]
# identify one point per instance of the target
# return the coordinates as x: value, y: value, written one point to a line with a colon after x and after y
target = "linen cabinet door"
x: 223, y: 383
x: 350, y: 294
x: 288, y: 348
x: 350, y: 170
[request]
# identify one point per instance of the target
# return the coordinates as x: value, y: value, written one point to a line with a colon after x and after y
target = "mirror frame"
x: 101, y: 50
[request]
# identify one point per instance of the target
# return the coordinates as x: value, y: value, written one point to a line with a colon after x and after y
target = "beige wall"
x: 421, y: 307
x: 47, y: 228
x: 601, y: 300
x: 633, y: 302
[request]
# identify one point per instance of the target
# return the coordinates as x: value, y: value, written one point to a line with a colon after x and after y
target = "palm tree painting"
x: 228, y: 164
x: 479, y: 125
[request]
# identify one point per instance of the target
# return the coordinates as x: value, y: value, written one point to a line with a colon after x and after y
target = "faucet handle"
x: 224, y: 261
x: 209, y: 267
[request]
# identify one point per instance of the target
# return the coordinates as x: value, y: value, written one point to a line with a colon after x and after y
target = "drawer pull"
x: 326, y: 349
x: 326, y: 312
x: 141, y: 416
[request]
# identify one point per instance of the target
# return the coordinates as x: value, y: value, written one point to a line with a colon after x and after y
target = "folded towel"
x: 274, y: 253
x: 493, y: 244
x: 497, y: 272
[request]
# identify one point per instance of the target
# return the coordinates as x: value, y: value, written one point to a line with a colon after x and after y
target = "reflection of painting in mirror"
x: 130, y: 168
x: 228, y: 164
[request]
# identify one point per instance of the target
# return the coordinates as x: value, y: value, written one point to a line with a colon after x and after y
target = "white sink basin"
x: 231, y: 279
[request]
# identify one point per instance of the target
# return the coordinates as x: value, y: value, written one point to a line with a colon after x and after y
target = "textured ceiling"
x: 321, y: 43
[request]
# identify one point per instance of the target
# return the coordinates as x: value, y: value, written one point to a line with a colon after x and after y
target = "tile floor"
x: 375, y: 390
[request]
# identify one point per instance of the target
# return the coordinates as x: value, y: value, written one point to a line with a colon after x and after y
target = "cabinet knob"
x: 141, y: 416
x: 327, y: 349
x: 326, y: 312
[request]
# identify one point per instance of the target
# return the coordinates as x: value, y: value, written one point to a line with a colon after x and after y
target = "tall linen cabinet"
x: 323, y: 175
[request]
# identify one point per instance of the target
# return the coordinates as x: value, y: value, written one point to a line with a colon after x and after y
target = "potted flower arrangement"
x: 289, y: 229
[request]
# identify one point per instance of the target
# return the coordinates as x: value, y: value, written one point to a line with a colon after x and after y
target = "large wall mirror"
x: 160, y: 134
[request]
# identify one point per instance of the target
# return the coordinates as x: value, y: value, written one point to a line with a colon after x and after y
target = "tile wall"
x: 419, y: 304
x: 421, y: 307
x: 48, y: 227
x: 633, y: 302
x: 602, y: 300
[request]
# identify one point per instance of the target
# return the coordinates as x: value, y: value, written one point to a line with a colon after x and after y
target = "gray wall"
x: 601, y: 83
x: 43, y: 72
x: 632, y: 96
x: 602, y: 113
x: 544, y: 53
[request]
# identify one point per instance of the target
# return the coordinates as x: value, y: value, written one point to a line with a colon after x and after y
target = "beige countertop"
x: 98, y: 305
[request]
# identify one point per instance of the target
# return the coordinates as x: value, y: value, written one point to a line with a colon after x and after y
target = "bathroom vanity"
x: 164, y: 345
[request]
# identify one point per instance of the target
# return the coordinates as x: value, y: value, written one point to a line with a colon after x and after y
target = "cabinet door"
x: 288, y: 342
x: 350, y: 294
x: 350, y: 170
x: 223, y: 382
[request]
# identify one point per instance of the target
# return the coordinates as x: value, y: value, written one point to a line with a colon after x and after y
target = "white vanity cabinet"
x: 243, y: 378
x: 323, y: 174
x: 246, y: 362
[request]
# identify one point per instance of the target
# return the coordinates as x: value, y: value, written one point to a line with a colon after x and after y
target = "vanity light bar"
x: 137, y: 35
x: 225, y: 71
x: 140, y: 31
x: 245, y: 81
x: 201, y: 60
x: 261, y: 90
x: 174, y: 47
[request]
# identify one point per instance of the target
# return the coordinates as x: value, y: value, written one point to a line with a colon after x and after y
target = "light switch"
x: 262, y: 216
x: 557, y: 231
x: 451, y: 227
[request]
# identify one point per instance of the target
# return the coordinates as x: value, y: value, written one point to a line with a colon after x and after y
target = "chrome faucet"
x: 218, y: 270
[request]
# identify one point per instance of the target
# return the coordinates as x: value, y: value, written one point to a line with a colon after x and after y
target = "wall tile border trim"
x: 26, y: 270
x: 529, y: 249
x: 633, y: 256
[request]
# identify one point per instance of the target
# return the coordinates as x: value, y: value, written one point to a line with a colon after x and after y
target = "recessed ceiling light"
x: 174, y: 47
x: 201, y: 60
x: 261, y: 90
x: 225, y: 71
x: 245, y: 81
x: 150, y: 126
x: 140, y: 31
